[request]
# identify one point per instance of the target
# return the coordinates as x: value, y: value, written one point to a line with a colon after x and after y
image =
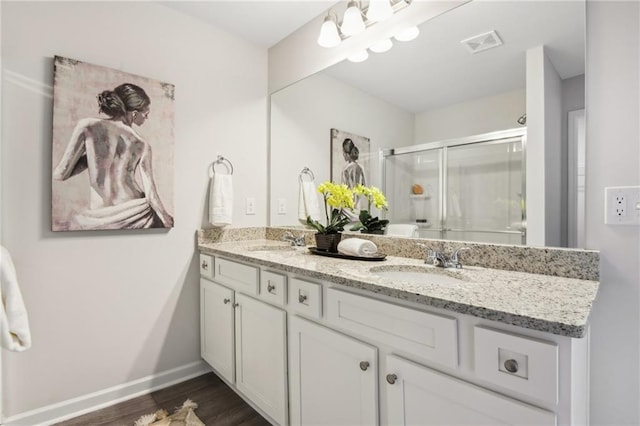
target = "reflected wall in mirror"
x: 434, y: 89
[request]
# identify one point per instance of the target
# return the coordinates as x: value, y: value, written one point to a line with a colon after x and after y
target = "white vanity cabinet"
x: 244, y: 339
x: 417, y: 395
x: 312, y: 352
x: 333, y: 377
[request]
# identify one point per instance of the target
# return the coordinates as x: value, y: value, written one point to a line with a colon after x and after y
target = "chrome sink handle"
x: 295, y: 241
x: 455, y: 261
x: 433, y: 257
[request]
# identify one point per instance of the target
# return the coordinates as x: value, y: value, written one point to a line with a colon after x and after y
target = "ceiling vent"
x: 482, y: 42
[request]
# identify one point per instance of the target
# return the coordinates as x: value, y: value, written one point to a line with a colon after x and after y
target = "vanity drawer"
x: 305, y: 297
x: 237, y: 275
x: 273, y: 287
x: 206, y: 266
x: 518, y: 363
x: 427, y: 336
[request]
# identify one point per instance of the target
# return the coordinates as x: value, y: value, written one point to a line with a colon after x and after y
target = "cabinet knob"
x: 235, y: 305
x: 511, y: 365
x: 391, y: 378
x: 205, y: 265
x: 226, y: 301
x: 364, y: 365
x: 270, y: 287
x: 302, y: 298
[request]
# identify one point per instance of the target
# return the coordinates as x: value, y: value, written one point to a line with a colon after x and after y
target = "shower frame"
x: 491, y: 138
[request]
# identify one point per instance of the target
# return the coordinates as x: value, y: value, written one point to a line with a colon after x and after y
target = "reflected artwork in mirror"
x: 437, y: 90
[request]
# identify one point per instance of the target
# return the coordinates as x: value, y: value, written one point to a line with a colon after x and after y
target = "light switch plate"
x: 622, y: 205
x: 250, y: 205
x: 282, y: 206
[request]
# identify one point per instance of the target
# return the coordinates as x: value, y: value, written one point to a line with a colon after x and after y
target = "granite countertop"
x: 546, y: 303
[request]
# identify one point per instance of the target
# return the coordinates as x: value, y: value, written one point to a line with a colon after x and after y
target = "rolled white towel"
x: 357, y: 247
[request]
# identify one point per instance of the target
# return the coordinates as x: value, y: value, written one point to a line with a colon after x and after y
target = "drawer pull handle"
x: 391, y: 378
x: 511, y: 365
x: 364, y: 365
x: 270, y: 288
x: 235, y: 305
x: 226, y: 301
x: 205, y: 265
x: 302, y: 298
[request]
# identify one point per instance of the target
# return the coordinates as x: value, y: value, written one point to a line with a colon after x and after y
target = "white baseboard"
x: 94, y: 401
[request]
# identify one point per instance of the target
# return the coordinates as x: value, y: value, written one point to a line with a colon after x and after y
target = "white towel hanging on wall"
x: 15, y: 334
x: 221, y: 195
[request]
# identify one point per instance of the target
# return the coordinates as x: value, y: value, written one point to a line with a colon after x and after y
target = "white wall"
x: 110, y: 307
x: 613, y: 159
x: 489, y: 114
x: 544, y: 131
x: 301, y: 118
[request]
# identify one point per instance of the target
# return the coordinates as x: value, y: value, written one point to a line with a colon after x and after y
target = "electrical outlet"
x: 618, y: 201
x: 282, y: 206
x: 250, y: 205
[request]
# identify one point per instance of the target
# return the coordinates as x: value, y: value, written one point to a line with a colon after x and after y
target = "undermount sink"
x: 271, y: 248
x: 419, y: 275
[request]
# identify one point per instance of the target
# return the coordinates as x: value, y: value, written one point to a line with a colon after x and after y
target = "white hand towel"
x: 14, y: 324
x: 357, y: 247
x: 221, y: 200
x: 308, y: 204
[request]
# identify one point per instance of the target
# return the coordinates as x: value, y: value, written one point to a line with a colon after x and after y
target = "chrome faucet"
x: 295, y: 241
x: 437, y: 258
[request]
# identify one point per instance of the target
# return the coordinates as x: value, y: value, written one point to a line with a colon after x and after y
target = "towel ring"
x: 225, y: 162
x: 306, y: 171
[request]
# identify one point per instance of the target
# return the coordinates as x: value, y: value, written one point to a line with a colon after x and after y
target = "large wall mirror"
x: 448, y: 115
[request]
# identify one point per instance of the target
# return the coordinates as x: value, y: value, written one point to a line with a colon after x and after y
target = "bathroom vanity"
x: 307, y: 339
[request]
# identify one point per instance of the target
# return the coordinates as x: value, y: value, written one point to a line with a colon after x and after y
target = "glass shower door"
x: 405, y: 176
x: 484, y: 192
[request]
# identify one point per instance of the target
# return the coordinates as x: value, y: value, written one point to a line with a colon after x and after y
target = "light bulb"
x: 352, y: 22
x: 381, y: 46
x: 379, y: 10
x: 329, y: 36
x: 359, y: 56
x: 407, y: 34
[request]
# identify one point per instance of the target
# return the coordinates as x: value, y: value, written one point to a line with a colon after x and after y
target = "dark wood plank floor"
x: 217, y: 405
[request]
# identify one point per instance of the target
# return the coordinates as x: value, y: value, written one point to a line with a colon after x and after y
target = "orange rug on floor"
x: 184, y: 416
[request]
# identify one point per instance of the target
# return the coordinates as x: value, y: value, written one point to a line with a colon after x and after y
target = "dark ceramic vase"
x: 328, y: 242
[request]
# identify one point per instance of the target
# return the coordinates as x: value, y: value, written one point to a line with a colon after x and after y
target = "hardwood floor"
x: 217, y: 405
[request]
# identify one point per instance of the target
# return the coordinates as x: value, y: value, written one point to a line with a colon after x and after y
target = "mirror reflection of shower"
x: 470, y: 189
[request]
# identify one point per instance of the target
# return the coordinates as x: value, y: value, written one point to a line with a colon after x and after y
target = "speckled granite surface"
x: 559, y: 262
x: 547, y: 303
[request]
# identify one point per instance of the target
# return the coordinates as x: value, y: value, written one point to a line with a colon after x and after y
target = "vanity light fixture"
x: 359, y: 56
x: 407, y: 34
x: 379, y: 10
x: 356, y: 19
x: 381, y: 46
x: 329, y: 34
x: 352, y: 23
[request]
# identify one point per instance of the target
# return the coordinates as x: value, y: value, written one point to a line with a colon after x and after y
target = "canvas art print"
x: 349, y: 158
x: 112, y: 156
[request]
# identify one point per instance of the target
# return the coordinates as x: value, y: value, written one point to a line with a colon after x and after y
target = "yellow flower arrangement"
x: 338, y: 197
x: 368, y: 223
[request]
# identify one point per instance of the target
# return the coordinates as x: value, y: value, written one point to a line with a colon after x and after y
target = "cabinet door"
x: 216, y: 327
x: 261, y: 355
x: 333, y: 377
x: 416, y: 395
